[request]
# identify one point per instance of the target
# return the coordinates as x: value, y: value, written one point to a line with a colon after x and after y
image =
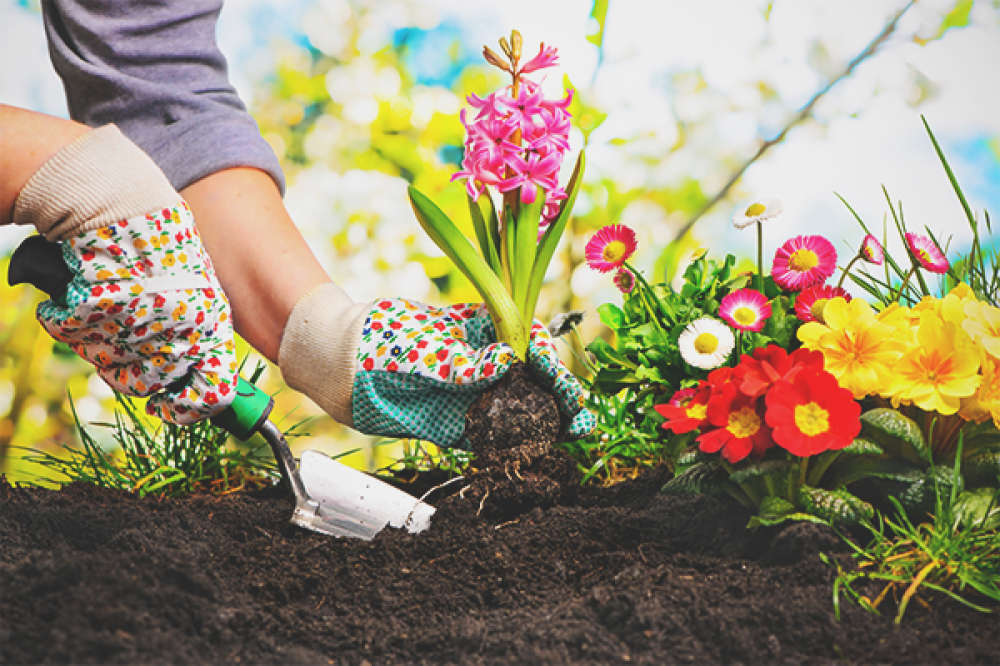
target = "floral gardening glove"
x: 420, y: 367
x: 145, y: 308
x: 142, y: 304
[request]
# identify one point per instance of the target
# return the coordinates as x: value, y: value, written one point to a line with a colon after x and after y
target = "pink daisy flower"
x: 624, y: 280
x: 803, y: 261
x: 871, y: 250
x: 745, y: 309
x: 810, y: 302
x: 927, y: 253
x: 610, y: 247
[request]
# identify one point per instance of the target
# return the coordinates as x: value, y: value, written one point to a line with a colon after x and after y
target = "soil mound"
x: 584, y: 575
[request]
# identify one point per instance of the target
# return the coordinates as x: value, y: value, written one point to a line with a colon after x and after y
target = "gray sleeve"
x: 153, y: 69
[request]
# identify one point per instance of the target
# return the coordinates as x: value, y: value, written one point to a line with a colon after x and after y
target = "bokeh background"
x: 687, y: 109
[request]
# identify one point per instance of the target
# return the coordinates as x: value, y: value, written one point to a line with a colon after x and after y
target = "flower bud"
x: 515, y: 40
x: 505, y: 45
x: 495, y: 60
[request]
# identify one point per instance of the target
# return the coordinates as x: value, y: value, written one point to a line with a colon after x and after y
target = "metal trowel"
x: 330, y: 497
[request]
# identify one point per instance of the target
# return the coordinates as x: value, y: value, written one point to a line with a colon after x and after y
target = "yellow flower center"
x: 812, y: 419
x: 924, y: 256
x: 755, y: 209
x: 743, y: 422
x: 614, y: 251
x: 803, y: 260
x: 706, y: 343
x: 745, y: 315
x: 697, y: 410
x: 817, y: 308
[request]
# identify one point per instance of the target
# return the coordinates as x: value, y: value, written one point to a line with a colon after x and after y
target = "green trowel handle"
x: 248, y: 411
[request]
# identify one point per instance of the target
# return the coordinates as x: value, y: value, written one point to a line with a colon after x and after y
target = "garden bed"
x: 624, y: 574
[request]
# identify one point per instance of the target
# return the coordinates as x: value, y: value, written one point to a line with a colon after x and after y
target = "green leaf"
x: 919, y: 497
x: 706, y: 477
x: 611, y: 316
x: 776, y: 510
x: 982, y: 468
x: 899, y: 435
x: 488, y: 244
x: 980, y: 507
x: 599, y: 12
x: 550, y: 239
x: 836, y: 506
x: 850, y: 469
x: 525, y: 248
x: 862, y: 447
x: 450, y: 239
x: 605, y: 353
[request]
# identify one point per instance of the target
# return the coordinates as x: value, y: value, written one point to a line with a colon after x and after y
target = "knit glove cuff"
x: 93, y: 182
x: 318, y: 352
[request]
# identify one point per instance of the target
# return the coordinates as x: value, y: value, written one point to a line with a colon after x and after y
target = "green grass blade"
x: 951, y: 176
x: 550, y: 240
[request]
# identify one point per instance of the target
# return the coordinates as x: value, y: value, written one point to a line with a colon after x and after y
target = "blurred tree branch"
x: 803, y: 113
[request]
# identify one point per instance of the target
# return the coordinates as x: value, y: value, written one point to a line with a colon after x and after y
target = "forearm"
x: 263, y: 262
x: 27, y: 141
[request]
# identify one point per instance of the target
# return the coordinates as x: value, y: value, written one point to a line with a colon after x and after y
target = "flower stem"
x: 847, y: 269
x: 645, y: 294
x: 760, y: 257
x: 902, y: 286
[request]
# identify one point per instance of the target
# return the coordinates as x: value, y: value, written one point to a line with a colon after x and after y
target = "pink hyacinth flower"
x: 745, y: 309
x: 803, y: 261
x: 871, y: 250
x: 810, y: 302
x: 927, y: 253
x: 537, y: 170
x: 610, y: 247
x: 547, y: 56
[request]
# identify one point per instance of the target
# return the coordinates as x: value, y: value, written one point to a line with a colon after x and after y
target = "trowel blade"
x: 343, y: 491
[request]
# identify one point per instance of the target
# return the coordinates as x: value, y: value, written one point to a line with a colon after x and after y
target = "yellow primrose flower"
x: 940, y: 370
x: 104, y: 304
x: 985, y: 403
x: 983, y: 324
x: 103, y: 274
x: 139, y: 243
x: 105, y: 233
x: 858, y: 349
x: 135, y: 289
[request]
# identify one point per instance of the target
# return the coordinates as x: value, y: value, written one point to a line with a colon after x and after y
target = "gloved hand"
x: 143, y: 304
x: 415, y: 369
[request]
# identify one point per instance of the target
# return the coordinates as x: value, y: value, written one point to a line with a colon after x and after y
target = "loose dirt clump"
x: 588, y: 575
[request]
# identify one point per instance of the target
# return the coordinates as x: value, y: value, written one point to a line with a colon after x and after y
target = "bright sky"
x: 869, y: 133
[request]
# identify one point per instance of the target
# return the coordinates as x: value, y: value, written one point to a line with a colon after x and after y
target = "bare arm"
x: 263, y: 262
x: 27, y: 140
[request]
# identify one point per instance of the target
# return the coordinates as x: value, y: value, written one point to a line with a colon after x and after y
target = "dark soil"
x: 584, y: 575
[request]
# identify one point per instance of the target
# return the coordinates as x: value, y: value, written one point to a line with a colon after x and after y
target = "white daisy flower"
x: 706, y: 343
x: 757, y: 211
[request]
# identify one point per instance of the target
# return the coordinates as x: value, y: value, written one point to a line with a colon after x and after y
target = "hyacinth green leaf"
x: 457, y: 247
x: 835, y: 506
x: 550, y: 239
x: 899, y: 435
x: 525, y: 249
x: 487, y: 240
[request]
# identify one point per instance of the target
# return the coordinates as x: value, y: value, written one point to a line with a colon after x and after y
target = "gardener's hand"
x: 143, y: 304
x: 417, y: 368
